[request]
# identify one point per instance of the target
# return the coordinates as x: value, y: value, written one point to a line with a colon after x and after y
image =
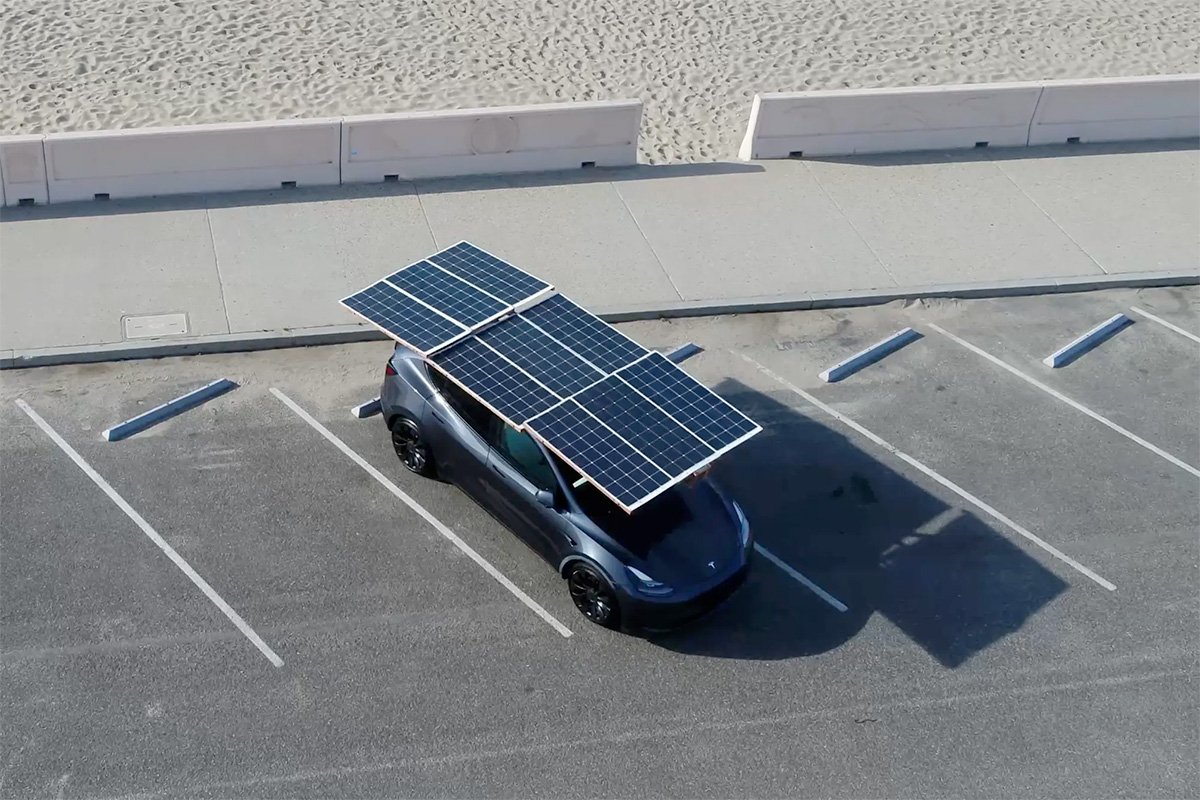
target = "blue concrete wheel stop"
x: 874, y: 353
x: 1086, y: 342
x: 169, y: 409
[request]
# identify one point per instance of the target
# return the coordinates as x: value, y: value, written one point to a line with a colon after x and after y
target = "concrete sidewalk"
x: 256, y: 269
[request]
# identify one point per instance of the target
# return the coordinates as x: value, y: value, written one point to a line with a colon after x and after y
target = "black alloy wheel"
x: 412, y: 452
x: 593, y: 595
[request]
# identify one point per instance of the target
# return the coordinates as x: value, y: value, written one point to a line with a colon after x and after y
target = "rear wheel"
x: 410, y: 448
x: 593, y: 595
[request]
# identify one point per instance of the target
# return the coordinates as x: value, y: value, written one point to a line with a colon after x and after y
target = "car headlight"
x: 743, y: 523
x: 647, y: 585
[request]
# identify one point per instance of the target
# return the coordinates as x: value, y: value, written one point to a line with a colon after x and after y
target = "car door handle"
x: 436, y: 415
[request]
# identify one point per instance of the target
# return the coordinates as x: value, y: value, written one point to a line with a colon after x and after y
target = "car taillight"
x: 389, y: 369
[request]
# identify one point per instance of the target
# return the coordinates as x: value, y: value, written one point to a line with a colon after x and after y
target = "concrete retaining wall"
x: 845, y: 122
x: 1117, y: 109
x: 198, y: 158
x: 490, y: 140
x: 22, y: 170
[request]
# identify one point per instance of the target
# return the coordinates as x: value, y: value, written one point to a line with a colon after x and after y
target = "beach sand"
x: 100, y: 64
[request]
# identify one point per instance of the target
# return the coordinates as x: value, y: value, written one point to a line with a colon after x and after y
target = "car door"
x: 456, y: 430
x: 520, y: 471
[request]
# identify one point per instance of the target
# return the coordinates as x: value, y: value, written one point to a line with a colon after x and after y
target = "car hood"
x: 684, y: 536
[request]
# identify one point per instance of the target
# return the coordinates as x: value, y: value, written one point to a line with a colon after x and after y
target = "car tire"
x: 410, y: 448
x: 593, y: 595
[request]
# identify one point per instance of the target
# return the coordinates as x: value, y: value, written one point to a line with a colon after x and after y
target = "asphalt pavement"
x: 1014, y: 548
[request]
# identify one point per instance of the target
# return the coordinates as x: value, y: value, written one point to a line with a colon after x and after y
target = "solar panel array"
x: 429, y: 304
x: 629, y: 420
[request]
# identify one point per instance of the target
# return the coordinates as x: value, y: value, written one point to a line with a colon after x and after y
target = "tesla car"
x: 665, y: 563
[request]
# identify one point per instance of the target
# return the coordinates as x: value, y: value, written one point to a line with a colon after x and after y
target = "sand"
x: 97, y: 64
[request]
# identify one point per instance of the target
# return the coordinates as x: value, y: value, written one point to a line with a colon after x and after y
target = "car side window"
x: 473, y: 412
x: 519, y: 449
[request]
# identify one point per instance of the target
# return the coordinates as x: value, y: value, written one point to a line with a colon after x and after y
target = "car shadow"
x: 867, y: 535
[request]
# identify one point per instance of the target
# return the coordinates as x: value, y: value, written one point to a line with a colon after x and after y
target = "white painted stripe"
x: 428, y: 517
x: 105, y: 487
x: 817, y: 590
x: 961, y: 492
x: 1158, y: 451
x: 1166, y: 324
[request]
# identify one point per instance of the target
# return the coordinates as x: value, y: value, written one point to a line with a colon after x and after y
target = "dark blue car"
x: 665, y: 563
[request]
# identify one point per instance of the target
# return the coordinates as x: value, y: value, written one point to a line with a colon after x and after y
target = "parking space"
x: 65, y: 582
x: 947, y: 505
x: 1143, y: 378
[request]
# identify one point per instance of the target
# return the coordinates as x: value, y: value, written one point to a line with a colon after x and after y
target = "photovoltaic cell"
x: 689, y: 402
x: 598, y: 453
x: 633, y: 422
x: 636, y: 419
x: 495, y: 381
x: 585, y: 333
x: 489, y: 273
x: 540, y: 356
x: 448, y: 294
x: 403, y: 317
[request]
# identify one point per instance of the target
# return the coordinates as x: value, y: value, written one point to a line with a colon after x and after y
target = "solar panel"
x: 496, y: 277
x: 403, y: 317
x: 689, y: 402
x: 630, y: 421
x: 495, y: 381
x: 612, y: 464
x: 661, y: 439
x: 448, y: 294
x: 539, y: 355
x: 588, y: 335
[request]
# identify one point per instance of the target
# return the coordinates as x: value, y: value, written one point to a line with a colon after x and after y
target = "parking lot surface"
x: 977, y: 576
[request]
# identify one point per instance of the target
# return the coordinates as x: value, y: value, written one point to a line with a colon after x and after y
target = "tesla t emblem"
x: 712, y: 565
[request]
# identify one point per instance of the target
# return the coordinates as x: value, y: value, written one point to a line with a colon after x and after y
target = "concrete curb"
x: 870, y: 297
x: 347, y: 334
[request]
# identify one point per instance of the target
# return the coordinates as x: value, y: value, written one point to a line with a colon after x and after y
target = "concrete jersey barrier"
x: 198, y: 158
x: 842, y: 122
x: 144, y: 162
x: 1117, y: 109
x: 846, y: 122
x: 22, y: 170
x: 490, y: 140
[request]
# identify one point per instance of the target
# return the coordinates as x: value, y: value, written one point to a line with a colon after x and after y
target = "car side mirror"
x: 545, y: 498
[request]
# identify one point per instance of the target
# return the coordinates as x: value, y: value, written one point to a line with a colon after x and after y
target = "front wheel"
x: 410, y: 448
x: 593, y: 595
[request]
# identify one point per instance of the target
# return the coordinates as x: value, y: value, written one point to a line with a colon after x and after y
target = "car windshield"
x: 638, y: 531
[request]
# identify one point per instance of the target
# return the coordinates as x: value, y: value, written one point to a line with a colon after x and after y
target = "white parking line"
x: 209, y: 592
x: 817, y: 590
x: 961, y: 492
x: 1166, y: 324
x: 1158, y: 451
x: 430, y: 518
